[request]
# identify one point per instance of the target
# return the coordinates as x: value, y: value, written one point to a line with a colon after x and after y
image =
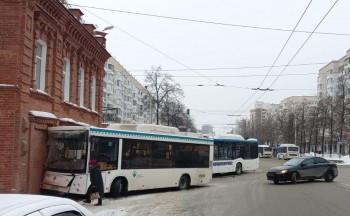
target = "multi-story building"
x: 207, y: 129
x: 328, y: 77
x: 332, y: 77
x: 125, y: 100
x: 259, y: 114
x: 298, y: 101
x: 51, y: 71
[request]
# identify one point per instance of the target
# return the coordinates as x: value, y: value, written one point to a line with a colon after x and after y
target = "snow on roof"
x: 82, y: 123
x: 7, y: 85
x: 42, y: 114
x: 73, y: 121
x: 67, y: 120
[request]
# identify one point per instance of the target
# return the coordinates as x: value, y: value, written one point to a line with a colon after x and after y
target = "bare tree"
x: 162, y: 87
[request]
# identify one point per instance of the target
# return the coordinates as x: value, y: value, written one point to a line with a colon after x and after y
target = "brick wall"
x: 23, y: 145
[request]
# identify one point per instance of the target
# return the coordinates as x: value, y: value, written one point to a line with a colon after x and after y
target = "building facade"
x: 51, y: 71
x: 125, y: 100
x: 259, y: 114
x: 328, y: 77
x: 207, y: 129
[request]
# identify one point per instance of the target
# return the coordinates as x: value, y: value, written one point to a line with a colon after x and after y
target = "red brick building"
x: 51, y: 73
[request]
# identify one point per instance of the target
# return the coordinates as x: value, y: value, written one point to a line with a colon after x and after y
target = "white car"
x: 39, y: 205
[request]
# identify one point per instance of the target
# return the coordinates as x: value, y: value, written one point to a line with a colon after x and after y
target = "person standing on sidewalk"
x: 96, y: 183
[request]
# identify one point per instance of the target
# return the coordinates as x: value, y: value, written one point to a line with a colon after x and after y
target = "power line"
x: 237, y: 76
x: 238, y: 68
x: 279, y: 54
x: 146, y: 44
x: 307, y: 39
x: 208, y: 22
x: 249, y: 88
x: 297, y: 51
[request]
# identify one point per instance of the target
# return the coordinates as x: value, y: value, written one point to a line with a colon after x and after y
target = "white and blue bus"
x: 265, y: 151
x: 287, y: 151
x: 136, y: 157
x: 232, y: 153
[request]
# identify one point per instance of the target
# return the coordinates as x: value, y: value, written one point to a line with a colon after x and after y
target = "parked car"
x: 39, y: 205
x: 303, y: 168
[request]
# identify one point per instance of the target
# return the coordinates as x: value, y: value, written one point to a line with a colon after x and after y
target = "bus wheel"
x: 184, y: 182
x: 238, y: 168
x: 116, y: 188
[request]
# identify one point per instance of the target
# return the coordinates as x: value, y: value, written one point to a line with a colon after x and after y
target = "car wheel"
x: 276, y: 181
x: 238, y: 168
x: 294, y: 177
x: 329, y: 177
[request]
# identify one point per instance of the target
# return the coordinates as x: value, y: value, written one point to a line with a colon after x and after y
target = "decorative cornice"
x: 73, y: 28
x: 40, y: 96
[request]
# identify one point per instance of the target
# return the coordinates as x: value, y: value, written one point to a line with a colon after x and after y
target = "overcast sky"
x: 227, y: 43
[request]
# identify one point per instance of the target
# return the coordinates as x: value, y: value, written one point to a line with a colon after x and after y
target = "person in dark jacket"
x: 96, y: 182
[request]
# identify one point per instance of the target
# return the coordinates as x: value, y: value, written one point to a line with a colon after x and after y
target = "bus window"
x: 183, y: 156
x: 141, y: 154
x: 162, y: 155
x: 105, y: 151
x: 201, y: 156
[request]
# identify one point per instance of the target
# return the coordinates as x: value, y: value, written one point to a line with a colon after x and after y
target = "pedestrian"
x: 96, y: 183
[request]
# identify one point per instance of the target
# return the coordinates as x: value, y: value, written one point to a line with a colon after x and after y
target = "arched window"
x: 40, y: 64
x: 65, y: 79
x: 81, y: 87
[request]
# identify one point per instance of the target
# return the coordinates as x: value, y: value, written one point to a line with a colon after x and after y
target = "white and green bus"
x: 131, y: 157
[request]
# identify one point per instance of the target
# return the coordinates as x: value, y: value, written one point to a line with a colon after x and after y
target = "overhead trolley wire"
x: 279, y: 54
x: 307, y: 39
x: 207, y: 22
x: 149, y: 46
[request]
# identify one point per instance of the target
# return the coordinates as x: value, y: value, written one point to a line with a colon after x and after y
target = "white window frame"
x: 81, y: 87
x: 40, y: 84
x: 65, y: 79
x: 93, y: 93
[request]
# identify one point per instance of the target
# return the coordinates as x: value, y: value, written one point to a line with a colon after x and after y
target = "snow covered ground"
x: 148, y: 203
x: 340, y: 159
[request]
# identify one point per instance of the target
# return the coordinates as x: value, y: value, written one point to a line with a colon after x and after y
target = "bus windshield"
x: 67, y: 151
x: 267, y: 148
x: 293, y: 149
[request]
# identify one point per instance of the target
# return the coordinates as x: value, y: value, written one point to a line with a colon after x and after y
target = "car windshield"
x: 293, y: 162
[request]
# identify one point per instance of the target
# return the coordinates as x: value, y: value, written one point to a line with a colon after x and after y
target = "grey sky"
x: 208, y: 46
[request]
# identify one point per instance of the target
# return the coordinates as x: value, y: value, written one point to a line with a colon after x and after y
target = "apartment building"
x: 258, y: 115
x: 298, y: 101
x: 51, y: 70
x: 125, y: 100
x: 328, y: 77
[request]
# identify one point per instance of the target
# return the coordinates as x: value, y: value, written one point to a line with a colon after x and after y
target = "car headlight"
x: 282, y: 171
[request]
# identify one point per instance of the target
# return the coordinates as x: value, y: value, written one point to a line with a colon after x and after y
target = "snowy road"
x: 249, y: 194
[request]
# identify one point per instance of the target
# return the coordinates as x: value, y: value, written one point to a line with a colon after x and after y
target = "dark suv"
x: 303, y: 168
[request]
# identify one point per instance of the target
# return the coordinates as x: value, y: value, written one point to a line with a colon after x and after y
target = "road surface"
x: 249, y: 194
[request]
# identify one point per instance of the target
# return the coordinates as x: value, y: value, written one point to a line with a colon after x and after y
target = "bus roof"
x: 148, y: 128
x: 130, y: 134
x: 229, y: 136
x: 286, y: 145
x: 263, y: 146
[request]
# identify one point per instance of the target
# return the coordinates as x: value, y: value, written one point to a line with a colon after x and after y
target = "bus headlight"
x: 282, y: 171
